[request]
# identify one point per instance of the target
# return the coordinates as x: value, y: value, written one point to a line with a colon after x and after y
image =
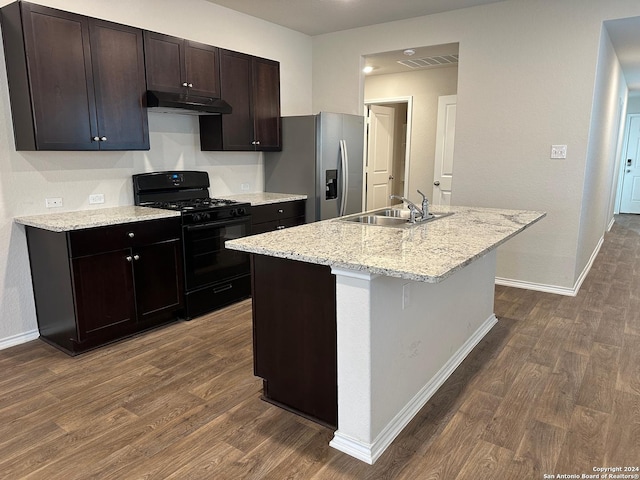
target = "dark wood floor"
x: 553, y: 388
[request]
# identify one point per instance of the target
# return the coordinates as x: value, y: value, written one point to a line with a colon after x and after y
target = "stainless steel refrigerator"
x: 322, y: 157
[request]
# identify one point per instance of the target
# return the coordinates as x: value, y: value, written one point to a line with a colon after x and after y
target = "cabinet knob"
x: 190, y: 85
x: 280, y: 210
x: 131, y: 234
x: 103, y: 139
x: 96, y: 139
x: 136, y: 257
x: 128, y: 258
x: 184, y: 84
x: 280, y: 227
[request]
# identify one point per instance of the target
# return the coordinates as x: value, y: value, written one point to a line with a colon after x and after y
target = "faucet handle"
x: 424, y: 197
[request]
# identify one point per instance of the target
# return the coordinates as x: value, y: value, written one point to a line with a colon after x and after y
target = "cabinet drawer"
x: 126, y: 235
x: 276, y: 211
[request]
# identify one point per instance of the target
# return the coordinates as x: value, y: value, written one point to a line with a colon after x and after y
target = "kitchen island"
x: 386, y: 314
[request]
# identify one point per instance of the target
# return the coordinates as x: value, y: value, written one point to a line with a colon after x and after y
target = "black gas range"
x: 214, y: 276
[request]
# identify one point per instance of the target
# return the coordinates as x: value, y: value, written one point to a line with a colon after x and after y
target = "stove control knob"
x: 233, y: 212
x: 196, y: 217
x: 206, y: 216
x: 242, y: 211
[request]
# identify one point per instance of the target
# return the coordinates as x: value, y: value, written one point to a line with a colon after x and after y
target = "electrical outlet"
x: 96, y: 198
x: 53, y: 202
x: 558, y: 151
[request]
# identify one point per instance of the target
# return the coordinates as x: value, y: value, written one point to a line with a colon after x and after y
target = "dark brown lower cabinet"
x: 294, y: 336
x: 276, y: 216
x: 98, y: 285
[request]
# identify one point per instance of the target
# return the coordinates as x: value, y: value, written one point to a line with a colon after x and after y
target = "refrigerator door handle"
x: 344, y: 159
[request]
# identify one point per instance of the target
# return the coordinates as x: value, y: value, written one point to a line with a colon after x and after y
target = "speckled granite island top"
x: 66, y: 221
x: 264, y: 198
x: 426, y: 253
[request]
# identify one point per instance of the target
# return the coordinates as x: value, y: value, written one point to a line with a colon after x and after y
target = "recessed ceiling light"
x: 367, y: 69
x: 409, y: 52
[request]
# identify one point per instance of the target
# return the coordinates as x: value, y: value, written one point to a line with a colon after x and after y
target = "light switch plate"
x: 558, y: 151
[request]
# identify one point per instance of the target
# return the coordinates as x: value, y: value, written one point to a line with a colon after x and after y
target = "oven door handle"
x: 219, y: 223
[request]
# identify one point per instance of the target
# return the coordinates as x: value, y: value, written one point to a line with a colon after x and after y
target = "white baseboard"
x: 18, y: 339
x: 369, y: 453
x: 539, y: 287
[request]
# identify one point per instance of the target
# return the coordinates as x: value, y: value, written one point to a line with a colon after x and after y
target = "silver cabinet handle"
x: 280, y: 210
x: 136, y: 257
x: 280, y: 227
x: 96, y: 139
x: 436, y: 183
x: 128, y: 258
x: 103, y: 139
x: 184, y: 84
x: 255, y: 142
x: 190, y: 85
x: 131, y: 234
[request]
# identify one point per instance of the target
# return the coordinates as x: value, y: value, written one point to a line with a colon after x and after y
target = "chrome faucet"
x: 413, y: 208
x: 425, y: 206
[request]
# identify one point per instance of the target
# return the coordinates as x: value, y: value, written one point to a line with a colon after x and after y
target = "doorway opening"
x: 416, y: 77
x: 387, y: 155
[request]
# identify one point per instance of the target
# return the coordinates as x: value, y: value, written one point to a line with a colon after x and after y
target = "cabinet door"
x: 236, y: 89
x: 62, y: 92
x: 294, y: 335
x: 118, y: 71
x: 202, y: 67
x: 266, y: 104
x: 158, y: 280
x: 164, y: 62
x: 104, y: 295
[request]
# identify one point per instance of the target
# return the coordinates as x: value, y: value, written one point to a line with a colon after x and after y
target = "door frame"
x: 622, y: 160
x: 407, y: 154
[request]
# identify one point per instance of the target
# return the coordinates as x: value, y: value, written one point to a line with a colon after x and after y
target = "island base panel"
x: 294, y: 334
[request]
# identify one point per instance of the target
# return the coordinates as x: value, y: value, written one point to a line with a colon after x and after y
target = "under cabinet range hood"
x: 167, y: 102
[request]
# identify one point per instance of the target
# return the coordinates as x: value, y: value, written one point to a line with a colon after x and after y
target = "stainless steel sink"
x: 393, y: 212
x: 377, y: 220
x: 390, y: 217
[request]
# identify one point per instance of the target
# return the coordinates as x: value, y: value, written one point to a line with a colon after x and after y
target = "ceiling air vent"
x: 435, y: 61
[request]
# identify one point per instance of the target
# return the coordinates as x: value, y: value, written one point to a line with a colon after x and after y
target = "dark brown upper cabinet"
x: 251, y: 85
x: 75, y: 83
x: 181, y: 66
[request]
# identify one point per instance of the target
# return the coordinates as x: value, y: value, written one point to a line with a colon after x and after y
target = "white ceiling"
x: 315, y: 17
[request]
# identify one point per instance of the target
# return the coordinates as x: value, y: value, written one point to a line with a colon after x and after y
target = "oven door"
x: 206, y: 260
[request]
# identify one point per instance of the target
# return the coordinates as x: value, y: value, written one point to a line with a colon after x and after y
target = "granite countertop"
x: 264, y: 198
x: 66, y: 221
x: 428, y: 253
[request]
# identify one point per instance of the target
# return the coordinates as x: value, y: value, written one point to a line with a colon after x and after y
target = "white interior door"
x: 630, y: 198
x: 380, y: 156
x: 445, y: 136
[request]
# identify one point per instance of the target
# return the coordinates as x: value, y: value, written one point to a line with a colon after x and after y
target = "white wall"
x: 525, y: 81
x: 605, y: 136
x: 633, y: 105
x: 425, y: 86
x: 26, y: 178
